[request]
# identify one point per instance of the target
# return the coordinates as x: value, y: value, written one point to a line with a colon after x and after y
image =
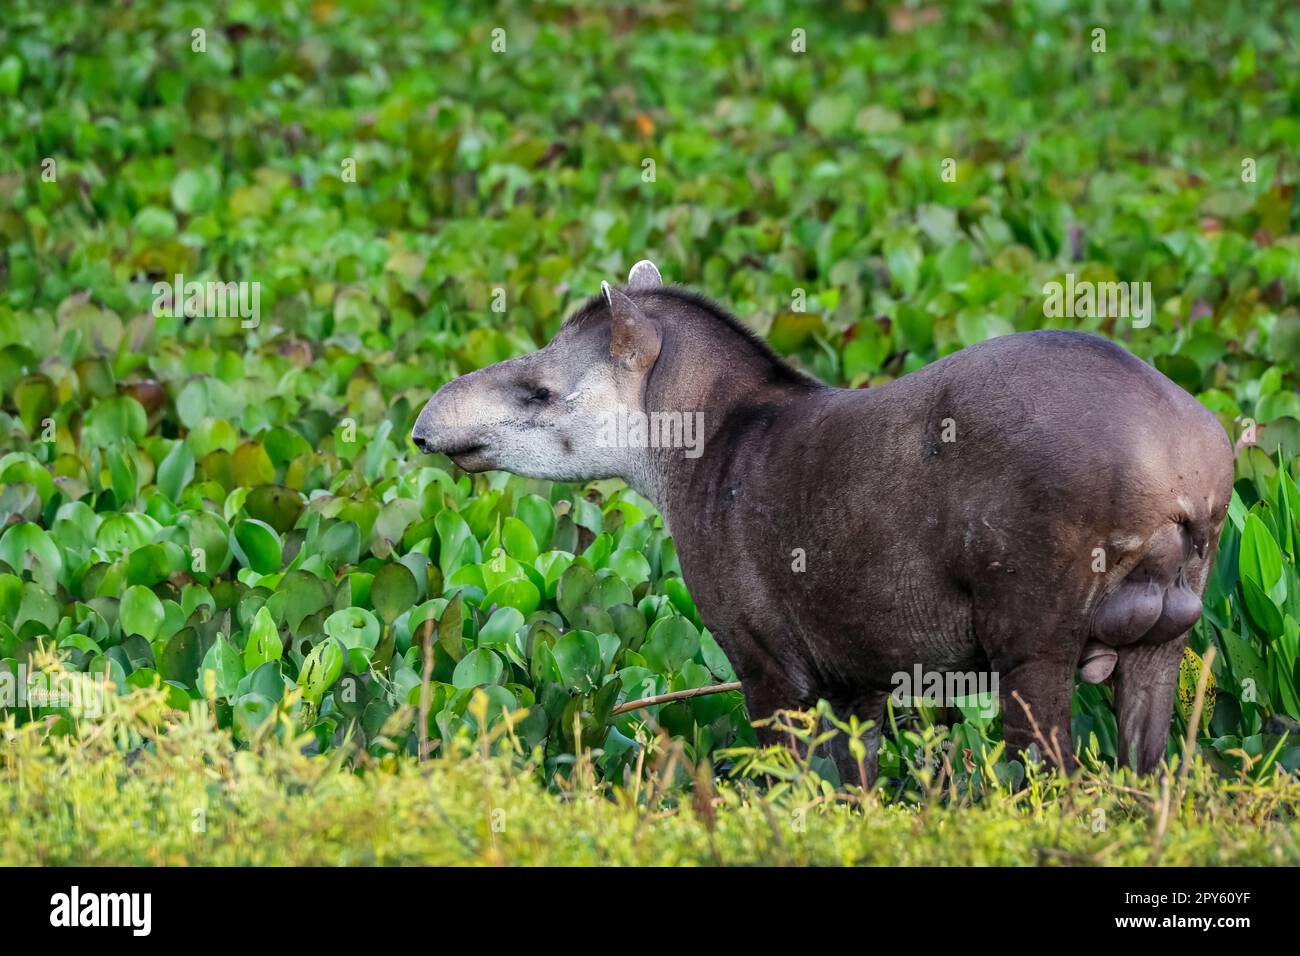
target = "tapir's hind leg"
x: 1147, y: 618
x: 1146, y: 677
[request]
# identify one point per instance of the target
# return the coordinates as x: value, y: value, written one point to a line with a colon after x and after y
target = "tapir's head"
x: 541, y: 415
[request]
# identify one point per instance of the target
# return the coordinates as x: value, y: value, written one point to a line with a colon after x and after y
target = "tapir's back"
x: 1085, y: 425
x: 1071, y: 426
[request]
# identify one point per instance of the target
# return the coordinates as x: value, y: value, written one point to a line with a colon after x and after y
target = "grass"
x: 119, y: 792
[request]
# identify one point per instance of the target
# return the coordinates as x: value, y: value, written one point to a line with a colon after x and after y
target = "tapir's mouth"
x: 469, y: 458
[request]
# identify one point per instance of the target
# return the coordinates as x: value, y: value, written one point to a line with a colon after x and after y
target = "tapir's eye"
x: 540, y: 394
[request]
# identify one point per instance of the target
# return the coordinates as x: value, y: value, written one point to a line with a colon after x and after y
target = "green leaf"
x: 298, y: 595
x: 479, y: 667
x: 268, y: 681
x: 250, y: 712
x: 252, y: 465
x: 26, y: 546
x: 141, y: 612
x: 354, y: 627
x: 520, y: 594
x: 321, y: 669
x: 154, y: 563
x: 264, y: 642
x: 154, y: 222
x: 11, y: 75
x: 715, y: 659
x: 681, y: 599
x: 536, y: 512
x: 457, y: 543
x: 393, y: 591
x: 1261, y: 559
x: 275, y: 505
x: 499, y: 631
x: 224, y: 664
x: 176, y: 471
x: 113, y: 421
x: 831, y: 113
x: 577, y: 655
x: 195, y: 190
x: 451, y: 627
x: 180, y: 658
x: 630, y: 565
x: 670, y: 643
x: 256, y: 545
x: 575, y: 586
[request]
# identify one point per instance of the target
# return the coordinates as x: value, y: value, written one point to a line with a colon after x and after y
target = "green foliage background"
x: 280, y: 453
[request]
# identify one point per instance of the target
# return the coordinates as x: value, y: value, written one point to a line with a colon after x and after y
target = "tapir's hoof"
x: 1097, y: 663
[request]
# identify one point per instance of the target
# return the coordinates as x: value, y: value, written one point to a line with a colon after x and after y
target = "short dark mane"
x: 596, y: 304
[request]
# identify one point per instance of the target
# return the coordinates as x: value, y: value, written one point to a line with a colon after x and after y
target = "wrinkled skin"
x: 1028, y: 506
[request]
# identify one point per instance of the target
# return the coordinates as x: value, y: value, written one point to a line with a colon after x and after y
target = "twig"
x: 675, y: 695
x: 1189, y: 743
x: 1189, y: 749
x: 1051, y: 749
x: 422, y: 733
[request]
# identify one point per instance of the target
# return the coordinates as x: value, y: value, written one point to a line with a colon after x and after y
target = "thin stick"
x: 1051, y: 749
x: 1189, y: 749
x: 422, y: 733
x: 1189, y: 743
x: 675, y: 695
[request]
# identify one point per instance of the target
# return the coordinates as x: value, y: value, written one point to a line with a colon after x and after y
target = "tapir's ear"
x: 644, y: 275
x: 634, y: 340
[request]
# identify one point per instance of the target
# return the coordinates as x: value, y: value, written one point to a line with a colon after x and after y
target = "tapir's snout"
x: 424, y: 442
x: 427, y: 434
x: 450, y: 424
x: 422, y: 433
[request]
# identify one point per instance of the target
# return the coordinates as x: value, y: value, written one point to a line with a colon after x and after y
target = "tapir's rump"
x: 1032, y: 507
x: 1119, y: 450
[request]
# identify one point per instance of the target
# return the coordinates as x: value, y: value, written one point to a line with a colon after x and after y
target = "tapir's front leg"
x: 769, y: 685
x: 763, y: 698
x: 868, y: 707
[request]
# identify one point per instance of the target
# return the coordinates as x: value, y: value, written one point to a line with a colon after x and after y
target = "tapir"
x: 1032, y: 506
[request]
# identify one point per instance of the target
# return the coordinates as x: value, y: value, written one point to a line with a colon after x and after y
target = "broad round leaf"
x: 141, y: 612
x: 354, y: 627
x: 577, y: 655
x: 321, y: 669
x: 393, y: 591
x: 256, y: 545
x: 480, y: 666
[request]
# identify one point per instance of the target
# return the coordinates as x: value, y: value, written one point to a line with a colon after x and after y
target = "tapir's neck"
x: 725, y: 397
